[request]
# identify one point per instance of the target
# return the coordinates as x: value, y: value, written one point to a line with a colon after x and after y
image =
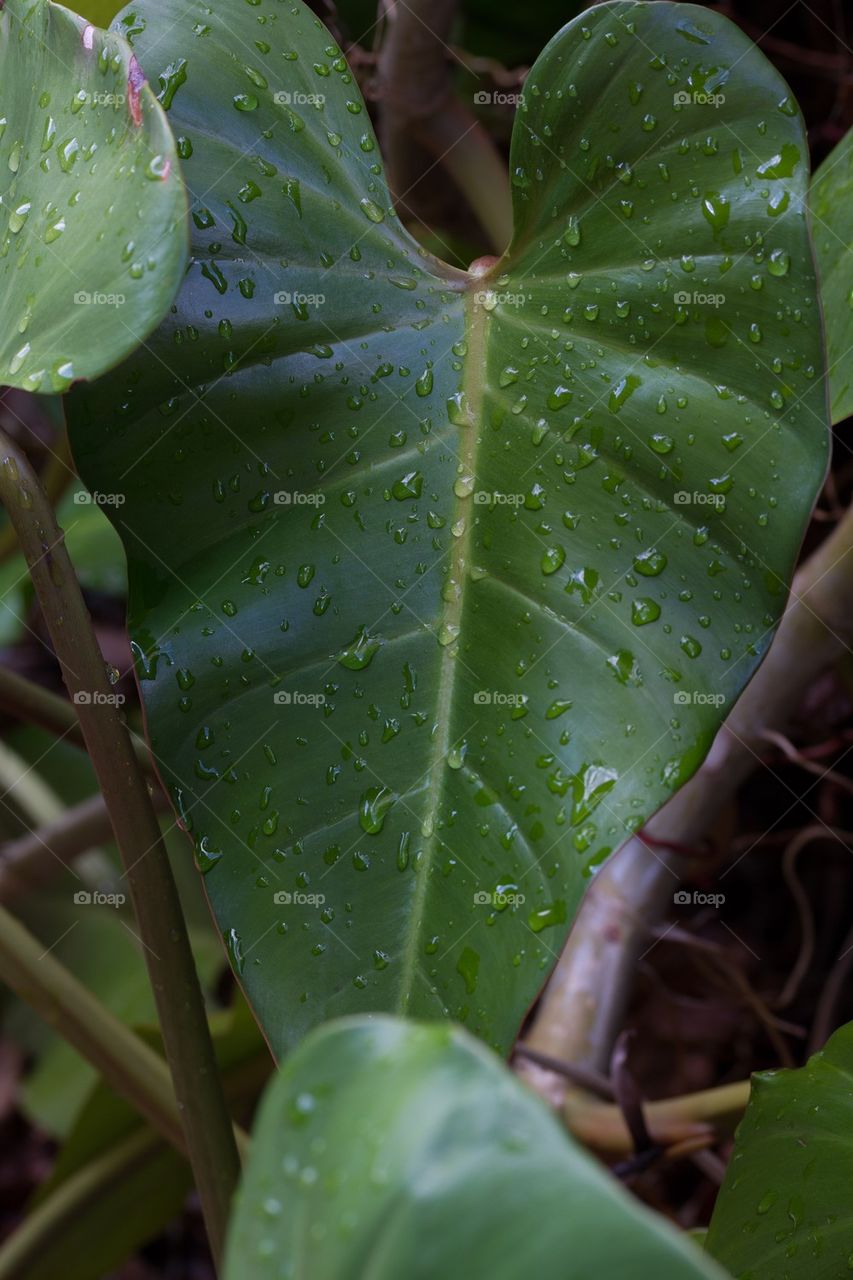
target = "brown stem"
x: 56, y: 475
x: 423, y: 122
x: 583, y: 1006
x: 33, y: 704
x: 180, y: 1005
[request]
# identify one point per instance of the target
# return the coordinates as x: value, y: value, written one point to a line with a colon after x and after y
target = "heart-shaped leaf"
x: 442, y: 582
x: 389, y: 1149
x: 832, y: 220
x: 784, y: 1208
x: 92, y: 207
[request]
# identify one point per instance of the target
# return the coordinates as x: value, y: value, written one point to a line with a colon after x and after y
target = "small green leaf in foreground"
x: 391, y: 1149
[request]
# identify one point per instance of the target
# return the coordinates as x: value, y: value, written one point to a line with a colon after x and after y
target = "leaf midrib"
x: 450, y: 616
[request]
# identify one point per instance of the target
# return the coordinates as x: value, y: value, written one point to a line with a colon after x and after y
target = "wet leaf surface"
x: 394, y: 1149
x: 442, y: 582
x: 784, y: 1208
x: 92, y: 207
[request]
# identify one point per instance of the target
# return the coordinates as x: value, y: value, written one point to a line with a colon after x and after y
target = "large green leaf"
x: 784, y: 1211
x: 510, y: 686
x: 92, y: 241
x: 388, y: 1149
x: 832, y: 221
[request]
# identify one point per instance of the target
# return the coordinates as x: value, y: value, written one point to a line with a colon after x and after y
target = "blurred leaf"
x: 15, y: 596
x: 93, y: 544
x: 95, y: 549
x: 115, y: 1183
x: 501, y: 29
x: 65, y: 768
x: 832, y: 227
x: 394, y: 1149
x: 103, y: 1118
x: 510, y: 32
x: 98, y: 945
x: 784, y: 1211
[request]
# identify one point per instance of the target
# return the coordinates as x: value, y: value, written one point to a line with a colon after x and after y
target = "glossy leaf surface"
x: 92, y: 207
x: 784, y: 1209
x: 389, y: 1149
x: 442, y: 582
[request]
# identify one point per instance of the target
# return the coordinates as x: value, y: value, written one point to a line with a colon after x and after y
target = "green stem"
x: 59, y: 1214
x: 127, y: 1063
x: 29, y: 702
x: 34, y: 858
x: 180, y: 1005
x: 602, y: 1126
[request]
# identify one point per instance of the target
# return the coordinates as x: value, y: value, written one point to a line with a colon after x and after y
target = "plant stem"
x: 126, y: 1062
x: 33, y: 704
x: 57, y: 1215
x: 33, y: 858
x: 423, y: 121
x: 180, y: 1005
x: 602, y: 1126
x: 56, y: 474
x: 583, y: 1006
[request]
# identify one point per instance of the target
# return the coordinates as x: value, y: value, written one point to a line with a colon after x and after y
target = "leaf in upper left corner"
x: 93, y: 242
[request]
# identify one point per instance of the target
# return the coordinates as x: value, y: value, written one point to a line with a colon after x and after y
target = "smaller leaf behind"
x: 784, y: 1208
x: 832, y: 228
